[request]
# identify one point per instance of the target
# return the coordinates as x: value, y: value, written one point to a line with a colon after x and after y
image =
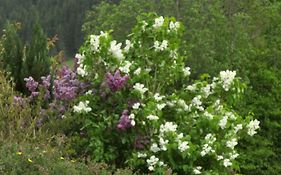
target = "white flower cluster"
x: 183, y: 105
x: 95, y: 41
x: 207, y: 147
x: 128, y: 46
x: 158, y: 22
x: 168, y: 127
x: 231, y: 143
x: 183, y: 146
x: 116, y: 50
x: 82, y: 107
x: 160, y: 106
x: 132, y: 118
x: 208, y: 115
x: 140, y: 87
x: 158, y: 97
x: 196, y: 102
x: 227, y: 78
x: 174, y: 26
x: 136, y: 106
x: 197, y: 170
x: 137, y: 71
x: 126, y: 67
x: 253, y: 126
x: 223, y: 122
x: 160, y: 46
x: 237, y: 128
x: 186, y: 71
x: 81, y: 70
x: 152, y: 117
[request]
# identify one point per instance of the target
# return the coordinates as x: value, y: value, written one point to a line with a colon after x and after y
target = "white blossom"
x: 160, y: 106
x: 154, y: 148
x: 168, y: 127
x: 141, y: 155
x: 136, y: 106
x: 158, y: 22
x: 233, y: 155
x: 219, y: 157
x: 152, y: 117
x: 133, y: 122
x: 116, y: 50
x: 95, y: 42
x: 152, y: 161
x: 163, y: 144
x: 208, y: 115
x: 137, y: 71
x: 183, y: 146
x: 82, y: 107
x: 126, y: 67
x: 186, y: 71
x: 227, y: 78
x: 231, y: 143
x: 140, y: 87
x: 81, y: 70
x: 223, y: 122
x: 227, y: 163
x: 89, y: 92
x: 158, y: 97
x: 238, y: 127
x: 253, y: 126
x: 174, y: 25
x: 197, y: 170
x: 80, y: 58
x: 128, y: 46
x: 160, y: 46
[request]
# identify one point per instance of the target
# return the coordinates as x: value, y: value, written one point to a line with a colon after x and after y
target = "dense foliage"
x: 240, y: 35
x: 142, y: 110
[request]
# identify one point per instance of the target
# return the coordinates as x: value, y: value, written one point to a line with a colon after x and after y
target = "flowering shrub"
x: 144, y: 111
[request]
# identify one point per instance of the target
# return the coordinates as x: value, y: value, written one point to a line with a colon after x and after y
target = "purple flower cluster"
x: 124, y: 121
x: 116, y: 82
x: 141, y: 142
x: 66, y: 86
x: 31, y: 84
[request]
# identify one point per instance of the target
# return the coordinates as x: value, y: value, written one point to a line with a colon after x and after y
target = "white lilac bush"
x: 142, y: 111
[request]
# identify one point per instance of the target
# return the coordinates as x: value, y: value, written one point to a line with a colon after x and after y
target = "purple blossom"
x: 124, y: 121
x: 67, y: 86
x: 116, y: 82
x: 18, y: 100
x: 34, y: 94
x: 46, y: 81
x: 31, y: 84
x: 141, y: 141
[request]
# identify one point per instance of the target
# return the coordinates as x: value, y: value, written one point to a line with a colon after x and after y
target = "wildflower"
x: 19, y: 153
x: 253, y: 126
x: 29, y: 160
x: 82, y: 107
x: 116, y: 82
x: 61, y: 158
x: 116, y: 50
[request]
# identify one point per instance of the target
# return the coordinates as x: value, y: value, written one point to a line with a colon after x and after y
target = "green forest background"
x: 241, y: 35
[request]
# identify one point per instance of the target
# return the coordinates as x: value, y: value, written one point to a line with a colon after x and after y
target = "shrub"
x: 143, y: 111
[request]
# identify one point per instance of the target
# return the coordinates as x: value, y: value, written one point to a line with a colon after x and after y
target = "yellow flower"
x: 29, y: 160
x: 61, y: 158
x: 19, y: 153
x: 73, y: 161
